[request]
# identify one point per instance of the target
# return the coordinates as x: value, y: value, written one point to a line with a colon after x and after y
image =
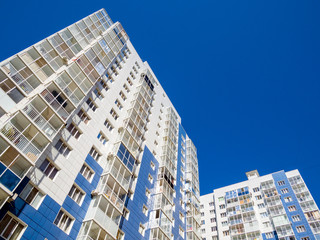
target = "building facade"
x: 274, y: 206
x: 91, y: 146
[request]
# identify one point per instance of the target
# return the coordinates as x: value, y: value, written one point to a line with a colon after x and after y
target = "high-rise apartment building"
x: 274, y: 206
x: 90, y: 145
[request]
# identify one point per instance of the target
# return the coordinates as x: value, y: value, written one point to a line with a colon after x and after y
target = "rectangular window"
x: 62, y: 148
x: 123, y: 96
x: 264, y: 215
x: 214, y: 228
x: 49, y: 169
x: 104, y: 84
x: 226, y: 233
x: 258, y: 197
x: 118, y: 104
x: 296, y: 218
x: 269, y: 235
x: 10, y: 227
x: 114, y: 114
x: 224, y: 223
x: 108, y: 125
x: 222, y: 206
x: 301, y: 229
x: 256, y: 189
x: 212, y: 220
x: 261, y: 205
x: 292, y: 208
x: 102, y: 138
x: 76, y: 194
x: 129, y: 81
x: 211, y: 204
x: 288, y: 199
x: 145, y: 210
x: 74, y: 131
x: 126, y: 88
x: 223, y: 214
x: 98, y: 94
x: 64, y: 221
x: 285, y: 190
x: 91, y: 104
x: 141, y: 229
x: 32, y: 195
x: 94, y: 153
x: 83, y: 116
x: 86, y: 172
x: 281, y: 183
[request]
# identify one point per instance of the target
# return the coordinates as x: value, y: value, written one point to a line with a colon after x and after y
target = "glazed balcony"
x: 43, y: 117
x: 118, y: 174
x: 13, y: 167
x: 24, y: 136
x: 112, y: 196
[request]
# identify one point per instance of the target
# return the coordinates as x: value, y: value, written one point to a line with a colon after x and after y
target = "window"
x: 48, y: 169
x: 64, y: 221
x: 132, y: 75
x: 288, y: 199
x: 226, y: 233
x: 94, y: 153
x: 213, y: 229
x: 141, y: 229
x: 83, y: 116
x: 10, y: 228
x: 266, y: 224
x: 62, y: 148
x: 86, y: 172
x: 126, y: 213
x: 122, y: 96
x: 211, y: 204
x: 296, y: 218
x: 104, y: 84
x: 152, y: 165
x: 301, y: 229
x: 150, y: 178
x: 98, y: 94
x: 118, y: 104
x: 108, y: 125
x: 258, y: 197
x: 202, y: 214
x: 32, y: 195
x: 74, y: 131
x: 114, y: 114
x: 126, y: 88
x: 147, y: 193
x: 264, y: 215
x: 145, y: 210
x: 212, y: 211
x: 256, y: 189
x: 201, y: 206
x: 76, y: 194
x: 260, y: 205
x: 134, y: 69
x: 102, y: 138
x: 281, y: 183
x: 269, y: 235
x: 224, y: 223
x: 221, y: 199
x: 285, y: 190
x: 91, y: 104
x: 305, y: 238
x: 222, y: 206
x: 137, y: 65
x: 181, y: 232
x: 223, y: 214
x: 181, y: 216
x: 292, y: 208
x: 129, y: 81
x: 212, y: 220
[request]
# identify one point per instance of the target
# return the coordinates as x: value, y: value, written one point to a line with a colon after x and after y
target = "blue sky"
x: 243, y: 75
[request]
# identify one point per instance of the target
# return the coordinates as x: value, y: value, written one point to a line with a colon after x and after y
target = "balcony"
x: 13, y: 166
x: 116, y: 174
x: 113, y: 197
x: 24, y: 136
x: 43, y: 117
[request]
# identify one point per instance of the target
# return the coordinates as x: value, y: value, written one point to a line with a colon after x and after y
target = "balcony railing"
x: 118, y: 176
x: 112, y: 196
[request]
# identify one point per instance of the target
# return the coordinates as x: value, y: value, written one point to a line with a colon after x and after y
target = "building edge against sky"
x: 90, y: 145
x: 274, y: 206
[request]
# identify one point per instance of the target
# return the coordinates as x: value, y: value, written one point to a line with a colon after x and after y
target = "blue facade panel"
x: 40, y: 221
x: 131, y: 226
x: 281, y: 176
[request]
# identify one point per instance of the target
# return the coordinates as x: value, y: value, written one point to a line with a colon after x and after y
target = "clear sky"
x: 243, y: 75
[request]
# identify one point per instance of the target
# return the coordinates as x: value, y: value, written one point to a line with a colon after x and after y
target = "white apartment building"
x: 274, y: 206
x: 91, y: 147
